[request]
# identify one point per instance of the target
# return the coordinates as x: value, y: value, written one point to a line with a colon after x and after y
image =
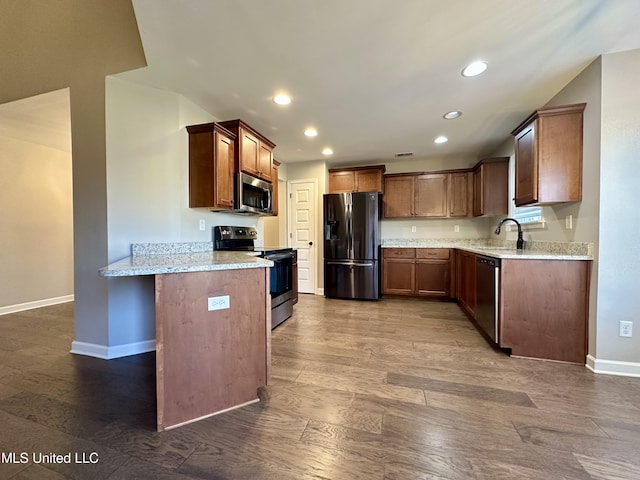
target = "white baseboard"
x: 612, y: 367
x: 320, y: 291
x: 117, y: 351
x: 20, y: 307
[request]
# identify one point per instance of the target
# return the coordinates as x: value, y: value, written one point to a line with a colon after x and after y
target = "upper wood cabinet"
x: 211, y: 166
x: 253, y: 152
x: 491, y: 187
x: 428, y: 195
x: 274, y: 176
x: 356, y: 179
x: 549, y: 156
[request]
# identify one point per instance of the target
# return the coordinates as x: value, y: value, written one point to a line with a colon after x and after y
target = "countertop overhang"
x: 156, y: 264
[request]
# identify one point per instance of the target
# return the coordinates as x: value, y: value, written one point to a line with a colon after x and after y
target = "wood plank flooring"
x: 395, y: 389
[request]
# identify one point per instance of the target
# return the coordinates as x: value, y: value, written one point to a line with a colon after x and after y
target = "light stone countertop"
x: 532, y: 250
x: 183, y: 263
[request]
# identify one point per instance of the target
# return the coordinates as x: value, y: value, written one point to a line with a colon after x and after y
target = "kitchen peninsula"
x: 213, y: 326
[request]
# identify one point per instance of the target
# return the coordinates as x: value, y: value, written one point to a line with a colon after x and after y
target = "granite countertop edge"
x: 157, y: 264
x: 538, y: 251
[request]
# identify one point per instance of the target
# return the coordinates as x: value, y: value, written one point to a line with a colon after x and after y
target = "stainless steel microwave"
x: 253, y: 196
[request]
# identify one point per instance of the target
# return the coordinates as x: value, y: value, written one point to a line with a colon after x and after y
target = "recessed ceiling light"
x: 311, y: 132
x: 282, y: 99
x: 473, y: 69
x: 327, y: 151
x: 441, y: 139
x: 451, y: 115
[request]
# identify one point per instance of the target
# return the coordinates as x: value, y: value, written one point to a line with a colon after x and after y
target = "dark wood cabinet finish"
x: 466, y: 282
x: 544, y: 309
x: 460, y: 194
x: 431, y: 195
x: 211, y: 166
x: 491, y: 187
x: 417, y: 271
x: 253, y: 151
x: 445, y: 194
x: 210, y: 361
x: 274, y: 175
x: 549, y: 156
x: 356, y: 179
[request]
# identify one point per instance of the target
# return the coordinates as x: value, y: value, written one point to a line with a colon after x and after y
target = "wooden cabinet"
x: 549, y: 156
x: 460, y: 194
x: 466, y: 281
x: 274, y: 175
x: 491, y: 187
x: 417, y: 271
x: 433, y: 272
x: 253, y: 152
x: 428, y: 195
x: 544, y: 309
x: 398, y: 271
x: 356, y: 179
x: 211, y: 166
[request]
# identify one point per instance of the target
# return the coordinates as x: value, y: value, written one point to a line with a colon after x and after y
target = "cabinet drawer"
x: 433, y: 253
x: 399, y: 253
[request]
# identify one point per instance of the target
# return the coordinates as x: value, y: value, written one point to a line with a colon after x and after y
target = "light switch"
x: 568, y: 222
x: 413, y: 229
x: 202, y: 225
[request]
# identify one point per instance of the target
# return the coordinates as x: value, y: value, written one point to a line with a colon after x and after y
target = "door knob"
x: 310, y: 244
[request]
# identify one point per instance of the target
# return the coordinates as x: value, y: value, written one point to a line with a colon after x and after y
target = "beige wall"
x: 75, y: 43
x: 36, y: 238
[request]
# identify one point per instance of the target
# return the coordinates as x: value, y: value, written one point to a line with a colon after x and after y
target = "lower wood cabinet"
x: 466, y: 281
x: 544, y: 309
x: 417, y: 271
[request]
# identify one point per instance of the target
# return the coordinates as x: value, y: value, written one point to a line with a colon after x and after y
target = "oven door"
x: 281, y: 273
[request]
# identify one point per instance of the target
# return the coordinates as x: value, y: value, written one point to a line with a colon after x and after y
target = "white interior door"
x: 303, y: 231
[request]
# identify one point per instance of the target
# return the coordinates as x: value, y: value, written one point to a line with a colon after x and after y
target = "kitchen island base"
x: 210, y: 361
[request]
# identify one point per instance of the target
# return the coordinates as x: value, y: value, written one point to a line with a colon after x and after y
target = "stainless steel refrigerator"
x: 352, y: 245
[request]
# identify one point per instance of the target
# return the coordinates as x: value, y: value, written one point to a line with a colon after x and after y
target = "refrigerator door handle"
x: 350, y: 263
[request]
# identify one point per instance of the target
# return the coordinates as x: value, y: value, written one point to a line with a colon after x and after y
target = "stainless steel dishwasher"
x: 488, y: 290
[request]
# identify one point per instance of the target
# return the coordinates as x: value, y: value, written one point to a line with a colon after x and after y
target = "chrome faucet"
x: 520, y: 242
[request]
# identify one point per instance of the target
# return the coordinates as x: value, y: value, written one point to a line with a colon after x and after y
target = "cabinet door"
x: 249, y: 155
x: 433, y: 278
x: 469, y: 282
x: 369, y: 180
x: 274, y: 179
x: 398, y: 276
x: 459, y: 194
x: 478, y: 191
x: 526, y: 166
x: 224, y: 171
x: 398, y: 196
x: 342, y: 182
x: 265, y: 162
x: 431, y: 195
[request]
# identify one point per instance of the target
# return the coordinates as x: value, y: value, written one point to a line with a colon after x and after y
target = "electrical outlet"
x: 203, y: 225
x: 456, y: 228
x: 218, y: 303
x: 413, y: 229
x: 626, y: 328
x: 568, y: 222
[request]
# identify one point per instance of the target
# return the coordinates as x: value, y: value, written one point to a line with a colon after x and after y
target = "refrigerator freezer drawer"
x: 352, y: 279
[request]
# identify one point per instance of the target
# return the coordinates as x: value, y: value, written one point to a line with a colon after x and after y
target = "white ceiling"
x: 44, y: 119
x: 376, y: 76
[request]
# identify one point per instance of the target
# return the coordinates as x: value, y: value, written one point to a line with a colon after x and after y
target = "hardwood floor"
x: 395, y: 389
